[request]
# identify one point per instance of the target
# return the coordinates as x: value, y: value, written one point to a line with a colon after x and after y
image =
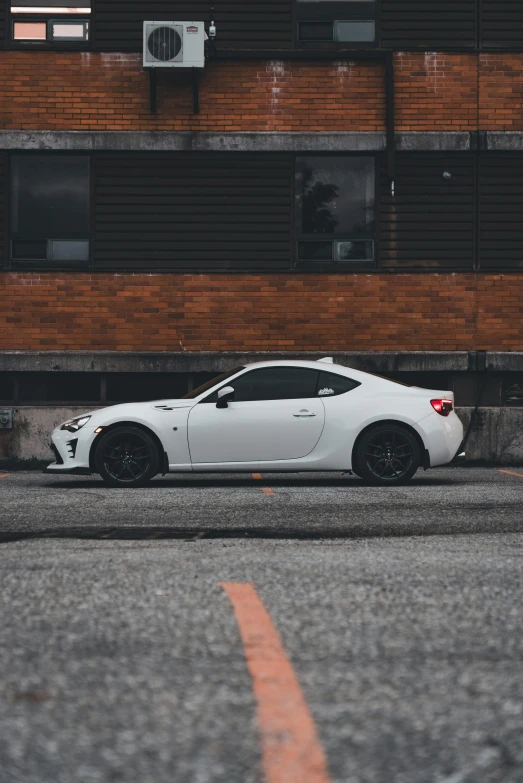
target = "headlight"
x: 73, y: 425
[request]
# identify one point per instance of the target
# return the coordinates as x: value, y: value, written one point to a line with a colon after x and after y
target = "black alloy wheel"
x: 388, y: 454
x: 126, y: 457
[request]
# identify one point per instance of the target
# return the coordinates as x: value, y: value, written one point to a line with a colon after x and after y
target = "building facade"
x: 341, y: 178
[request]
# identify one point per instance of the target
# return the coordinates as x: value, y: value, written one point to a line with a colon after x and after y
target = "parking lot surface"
x: 206, y: 626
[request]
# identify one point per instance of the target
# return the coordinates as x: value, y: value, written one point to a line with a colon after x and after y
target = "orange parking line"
x: 267, y: 491
x: 256, y: 475
x: 510, y: 473
x: 4, y: 475
x: 291, y: 750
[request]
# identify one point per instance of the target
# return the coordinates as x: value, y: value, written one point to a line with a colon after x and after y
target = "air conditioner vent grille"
x: 164, y: 44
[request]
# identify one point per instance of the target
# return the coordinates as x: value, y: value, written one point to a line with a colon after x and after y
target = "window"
x: 332, y: 385
x: 273, y: 383
x: 335, y: 210
x: 50, y: 209
x: 336, y: 22
x: 49, y: 21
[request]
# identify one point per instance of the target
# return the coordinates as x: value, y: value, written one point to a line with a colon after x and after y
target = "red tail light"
x: 443, y: 407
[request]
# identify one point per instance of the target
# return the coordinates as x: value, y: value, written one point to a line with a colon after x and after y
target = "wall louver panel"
x: 430, y: 221
x: 428, y: 24
x: 3, y: 209
x: 500, y: 211
x: 501, y: 24
x: 3, y: 23
x: 193, y: 211
x: 241, y: 24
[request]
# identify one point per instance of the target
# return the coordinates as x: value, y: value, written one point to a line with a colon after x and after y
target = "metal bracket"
x: 152, y: 90
x: 195, y: 91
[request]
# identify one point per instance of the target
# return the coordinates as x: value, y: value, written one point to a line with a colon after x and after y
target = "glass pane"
x: 72, y: 31
x: 354, y: 31
x: 30, y: 31
x: 275, y: 383
x: 315, y: 251
x: 316, y: 31
x: 29, y: 250
x: 69, y: 250
x: 354, y: 251
x: 330, y: 385
x: 50, y: 197
x: 335, y: 195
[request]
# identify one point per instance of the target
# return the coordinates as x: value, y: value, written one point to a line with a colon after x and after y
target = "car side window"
x: 331, y: 385
x: 273, y: 383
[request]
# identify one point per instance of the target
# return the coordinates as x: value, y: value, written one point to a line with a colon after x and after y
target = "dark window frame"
x: 299, y: 11
x: 46, y: 265
x: 332, y: 265
x: 47, y: 17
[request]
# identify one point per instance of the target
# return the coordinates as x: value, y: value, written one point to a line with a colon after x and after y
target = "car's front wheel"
x: 126, y: 457
x: 387, y: 454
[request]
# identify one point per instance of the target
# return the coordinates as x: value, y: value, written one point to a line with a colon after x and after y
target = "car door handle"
x: 303, y: 414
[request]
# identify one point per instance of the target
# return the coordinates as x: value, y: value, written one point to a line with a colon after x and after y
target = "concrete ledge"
x: 180, y: 141
x: 454, y: 141
x: 198, y: 361
x: 504, y: 141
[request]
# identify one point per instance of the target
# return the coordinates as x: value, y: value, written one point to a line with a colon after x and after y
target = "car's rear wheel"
x: 387, y: 454
x: 126, y: 457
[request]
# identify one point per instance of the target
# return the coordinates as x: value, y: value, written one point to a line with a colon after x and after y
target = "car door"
x: 275, y: 415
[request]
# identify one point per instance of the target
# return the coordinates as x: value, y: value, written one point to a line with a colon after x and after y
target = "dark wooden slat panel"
x: 501, y: 24
x: 193, y: 210
x: 241, y: 24
x: 500, y: 211
x: 3, y: 208
x: 430, y: 221
x: 3, y: 23
x: 428, y: 24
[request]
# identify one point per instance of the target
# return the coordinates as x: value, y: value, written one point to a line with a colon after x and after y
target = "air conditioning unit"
x: 173, y: 44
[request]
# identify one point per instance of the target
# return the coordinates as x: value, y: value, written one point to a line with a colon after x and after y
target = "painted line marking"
x: 256, y: 475
x: 291, y: 749
x: 4, y: 475
x: 268, y: 491
x: 511, y: 473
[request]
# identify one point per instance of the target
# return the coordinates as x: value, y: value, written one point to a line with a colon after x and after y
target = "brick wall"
x: 501, y: 92
x: 434, y: 91
x: 267, y: 312
x: 46, y: 90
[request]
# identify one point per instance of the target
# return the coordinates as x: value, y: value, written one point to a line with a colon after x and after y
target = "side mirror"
x: 225, y: 396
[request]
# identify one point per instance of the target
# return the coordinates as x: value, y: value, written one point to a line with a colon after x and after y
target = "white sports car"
x: 269, y: 416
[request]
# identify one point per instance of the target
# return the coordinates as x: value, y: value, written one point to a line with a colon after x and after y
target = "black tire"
x: 127, y: 457
x: 387, y: 455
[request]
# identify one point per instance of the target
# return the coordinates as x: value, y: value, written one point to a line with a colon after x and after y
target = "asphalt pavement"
x: 124, y: 657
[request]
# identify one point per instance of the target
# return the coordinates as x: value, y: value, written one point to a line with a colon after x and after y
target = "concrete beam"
x: 201, y: 361
x: 458, y: 141
x: 504, y: 141
x: 181, y: 141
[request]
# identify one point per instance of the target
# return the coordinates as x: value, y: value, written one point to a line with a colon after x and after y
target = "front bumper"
x: 71, y: 451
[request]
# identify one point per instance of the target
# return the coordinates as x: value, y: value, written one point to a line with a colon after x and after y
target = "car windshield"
x: 209, y: 384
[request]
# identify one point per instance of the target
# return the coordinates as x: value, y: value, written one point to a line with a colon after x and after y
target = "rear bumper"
x: 460, y: 455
